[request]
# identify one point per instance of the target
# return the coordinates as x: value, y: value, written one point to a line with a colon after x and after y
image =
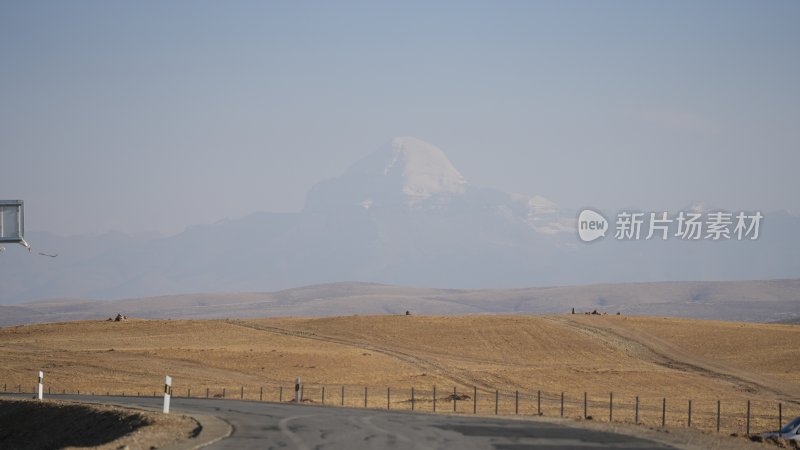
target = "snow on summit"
x: 425, y: 169
x: 407, y: 172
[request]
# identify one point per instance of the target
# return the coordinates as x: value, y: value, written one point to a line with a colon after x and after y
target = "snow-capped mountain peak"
x: 404, y: 171
x: 424, y: 168
x: 407, y: 172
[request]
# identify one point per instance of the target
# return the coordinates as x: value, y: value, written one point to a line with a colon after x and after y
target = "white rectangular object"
x: 167, y: 393
x: 41, y: 384
x: 12, y: 221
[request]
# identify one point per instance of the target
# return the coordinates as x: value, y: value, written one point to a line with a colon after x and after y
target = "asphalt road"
x: 261, y: 425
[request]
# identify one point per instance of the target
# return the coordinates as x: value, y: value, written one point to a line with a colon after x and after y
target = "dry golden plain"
x: 653, y: 358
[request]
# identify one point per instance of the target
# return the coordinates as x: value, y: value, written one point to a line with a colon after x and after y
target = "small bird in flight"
x: 45, y: 254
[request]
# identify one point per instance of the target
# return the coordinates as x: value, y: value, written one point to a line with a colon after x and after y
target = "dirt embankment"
x: 55, y: 425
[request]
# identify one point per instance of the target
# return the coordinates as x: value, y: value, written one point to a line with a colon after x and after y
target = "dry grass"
x: 76, y: 425
x: 653, y: 358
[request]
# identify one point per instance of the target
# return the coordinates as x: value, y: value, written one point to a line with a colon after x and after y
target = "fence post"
x: 516, y: 402
x: 342, y: 395
x: 474, y: 400
x: 664, y: 412
x: 137, y: 394
x: 261, y: 393
x: 562, y: 403
x: 365, y: 396
x: 585, y: 405
x: 434, y: 398
x: 496, y: 401
x: 302, y: 392
x: 748, y: 419
x: 280, y: 395
x: 223, y: 392
x: 610, y: 406
x: 455, y: 398
x: 323, y: 395
x: 718, y: 408
x: 689, y: 422
x: 188, y: 393
x: 388, y: 398
x: 780, y: 415
x: 412, y: 398
x: 539, y: 402
x: 636, y: 419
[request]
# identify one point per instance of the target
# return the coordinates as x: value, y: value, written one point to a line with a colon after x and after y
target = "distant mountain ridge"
x: 403, y: 215
x: 751, y: 301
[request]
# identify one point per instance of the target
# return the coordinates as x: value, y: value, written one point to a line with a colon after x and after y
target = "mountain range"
x: 403, y: 215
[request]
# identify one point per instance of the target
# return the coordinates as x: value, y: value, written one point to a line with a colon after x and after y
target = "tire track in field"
x: 426, y: 365
x: 668, y: 354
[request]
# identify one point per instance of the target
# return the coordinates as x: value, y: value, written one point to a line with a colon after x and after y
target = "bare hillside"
x: 748, y: 301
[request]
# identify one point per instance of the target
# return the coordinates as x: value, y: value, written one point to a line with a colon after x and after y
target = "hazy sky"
x: 141, y: 116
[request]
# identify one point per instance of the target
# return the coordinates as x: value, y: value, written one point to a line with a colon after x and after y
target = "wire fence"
x: 733, y: 416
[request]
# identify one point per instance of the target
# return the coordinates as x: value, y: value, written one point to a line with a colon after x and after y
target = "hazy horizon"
x: 154, y: 117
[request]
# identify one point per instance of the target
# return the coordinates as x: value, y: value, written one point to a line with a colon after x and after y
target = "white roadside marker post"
x: 41, y: 385
x: 297, y: 390
x: 167, y: 393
